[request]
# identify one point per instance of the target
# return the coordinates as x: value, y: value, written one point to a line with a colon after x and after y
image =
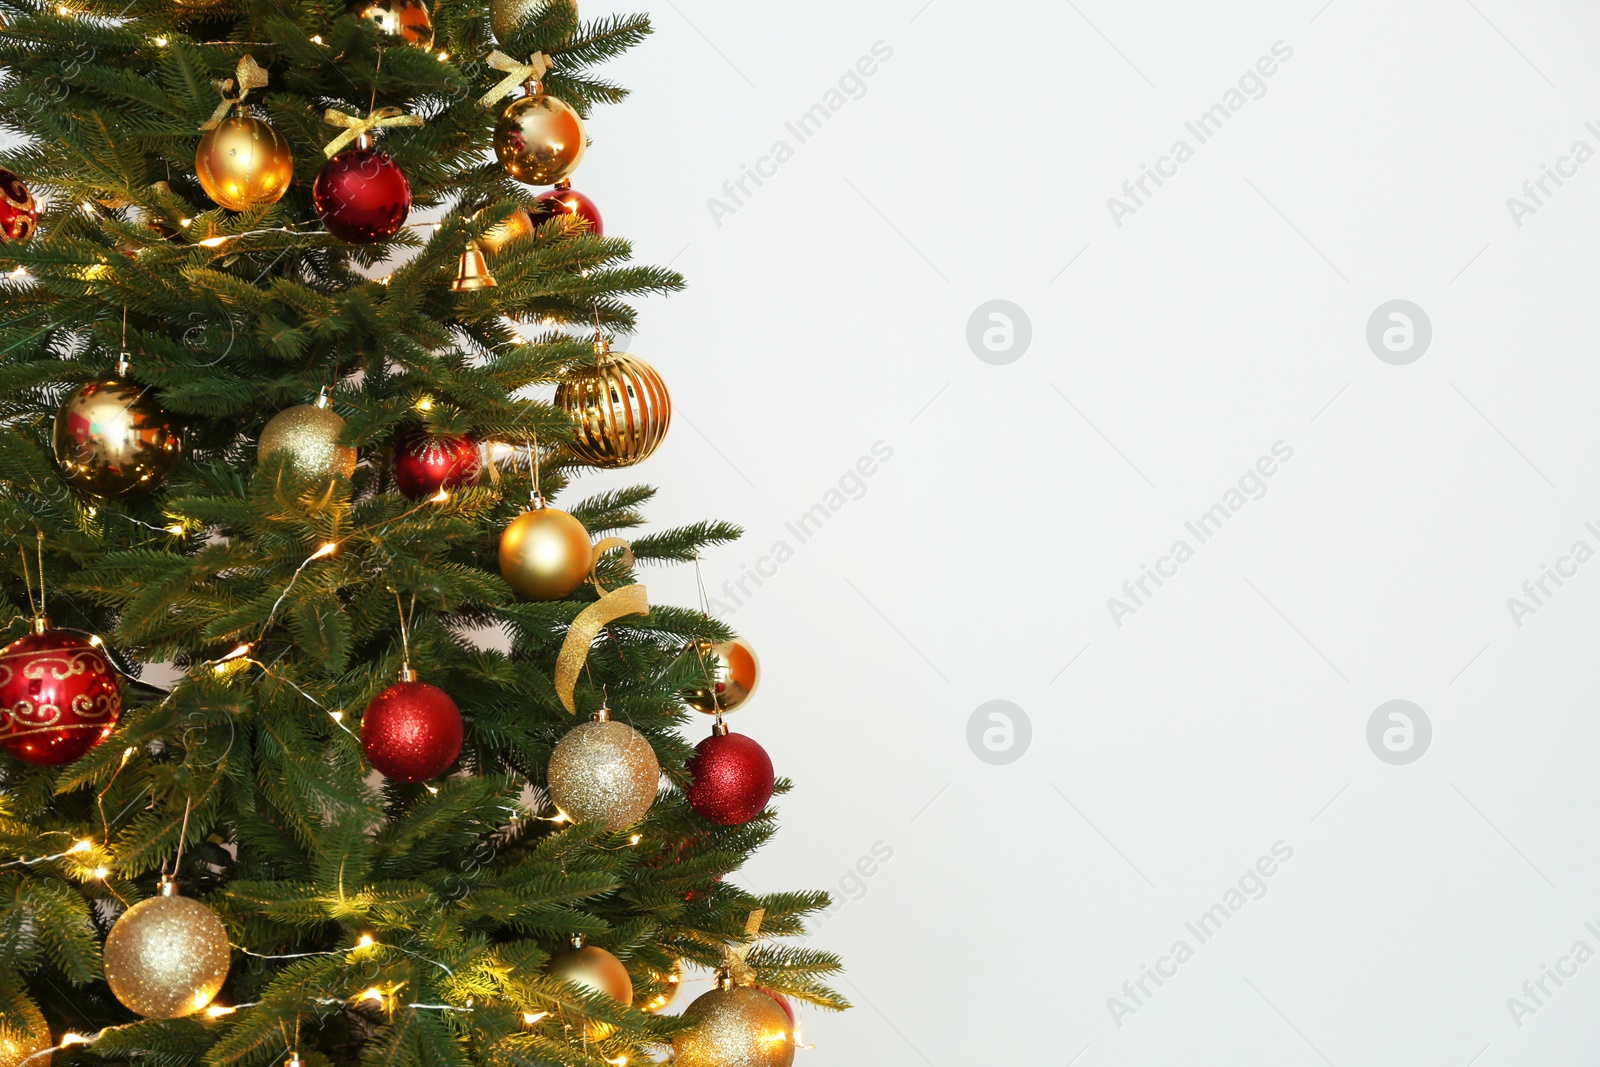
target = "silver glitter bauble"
x: 167, y: 957
x: 604, y: 771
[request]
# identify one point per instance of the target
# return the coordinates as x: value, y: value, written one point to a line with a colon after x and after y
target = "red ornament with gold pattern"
x: 58, y: 696
x: 19, y: 212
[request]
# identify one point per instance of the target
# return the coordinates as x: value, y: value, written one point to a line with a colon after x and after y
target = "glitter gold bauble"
x: 24, y: 1037
x: 167, y: 956
x: 244, y: 163
x: 309, y: 435
x: 504, y: 15
x: 620, y: 408
x: 112, y: 439
x: 735, y: 1027
x: 734, y: 673
x: 545, y: 554
x: 407, y: 19
x: 539, y: 139
x: 604, y: 771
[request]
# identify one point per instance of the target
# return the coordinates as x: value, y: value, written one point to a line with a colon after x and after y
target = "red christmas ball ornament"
x: 565, y: 200
x: 411, y: 731
x: 362, y: 196
x: 426, y: 463
x: 732, y: 777
x: 58, y: 696
x: 19, y: 212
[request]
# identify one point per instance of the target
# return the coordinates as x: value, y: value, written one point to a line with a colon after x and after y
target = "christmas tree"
x: 282, y: 305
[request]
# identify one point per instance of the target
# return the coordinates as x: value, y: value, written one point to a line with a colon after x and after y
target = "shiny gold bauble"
x: 408, y: 19
x: 517, y: 224
x: 244, y: 163
x: 167, y: 957
x: 24, y: 1038
x: 620, y: 407
x: 606, y: 772
x: 545, y: 554
x: 734, y: 674
x: 737, y: 1027
x: 539, y: 139
x: 504, y: 15
x: 112, y: 439
x: 309, y: 434
x: 650, y: 1003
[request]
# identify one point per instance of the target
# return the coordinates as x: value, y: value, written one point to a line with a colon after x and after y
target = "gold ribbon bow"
x: 738, y: 960
x: 250, y: 76
x: 517, y: 72
x: 354, y: 127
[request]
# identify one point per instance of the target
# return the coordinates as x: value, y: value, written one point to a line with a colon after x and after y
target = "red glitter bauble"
x: 58, y: 697
x: 732, y: 778
x: 564, y: 200
x: 19, y: 212
x: 362, y: 196
x: 783, y: 1002
x: 426, y: 463
x: 411, y: 732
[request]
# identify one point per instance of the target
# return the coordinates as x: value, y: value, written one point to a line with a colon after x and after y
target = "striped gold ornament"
x: 620, y: 409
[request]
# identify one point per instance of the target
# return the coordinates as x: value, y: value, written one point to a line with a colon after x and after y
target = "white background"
x: 1229, y: 713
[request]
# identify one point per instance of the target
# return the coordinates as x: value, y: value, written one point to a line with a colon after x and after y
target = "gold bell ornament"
x: 309, y: 435
x: 168, y: 956
x: 112, y: 439
x: 473, y: 273
x: 242, y: 162
x: 620, y: 408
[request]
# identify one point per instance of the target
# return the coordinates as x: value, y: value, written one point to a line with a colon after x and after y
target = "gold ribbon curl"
x: 628, y: 600
x: 600, y: 549
x: 356, y: 127
x: 249, y: 77
x: 738, y: 960
x: 517, y: 73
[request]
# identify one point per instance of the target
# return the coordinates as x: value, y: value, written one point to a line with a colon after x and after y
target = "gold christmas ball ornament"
x: 620, y: 408
x: 734, y: 673
x: 309, y: 435
x: 596, y: 970
x: 604, y: 771
x: 539, y: 139
x: 24, y: 1037
x: 112, y: 439
x: 517, y: 224
x: 545, y: 553
x: 243, y: 163
x: 167, y: 956
x: 735, y: 1026
x: 504, y: 15
x: 407, y: 19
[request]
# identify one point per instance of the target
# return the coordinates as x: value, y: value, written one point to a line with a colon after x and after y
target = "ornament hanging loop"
x: 406, y: 673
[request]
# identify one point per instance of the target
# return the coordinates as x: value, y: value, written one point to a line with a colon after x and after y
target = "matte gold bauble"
x: 596, y: 970
x: 517, y: 224
x: 734, y: 674
x: 309, y: 435
x: 545, y: 554
x: 24, y: 1038
x: 604, y: 771
x: 735, y: 1027
x: 620, y: 407
x: 167, y: 957
x: 244, y: 163
x: 504, y: 15
x: 408, y: 19
x: 112, y: 439
x: 539, y: 139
